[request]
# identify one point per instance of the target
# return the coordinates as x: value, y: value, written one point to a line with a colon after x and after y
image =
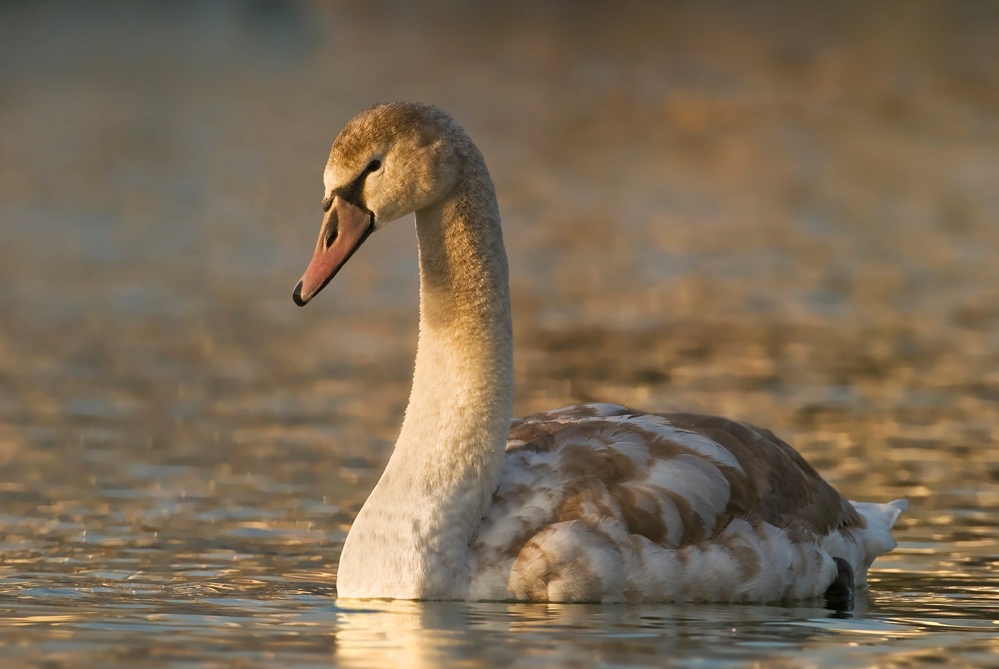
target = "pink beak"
x: 345, y: 227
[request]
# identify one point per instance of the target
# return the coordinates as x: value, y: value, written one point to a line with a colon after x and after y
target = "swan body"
x: 593, y: 502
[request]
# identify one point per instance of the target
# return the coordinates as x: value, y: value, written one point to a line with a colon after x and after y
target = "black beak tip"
x: 297, y: 295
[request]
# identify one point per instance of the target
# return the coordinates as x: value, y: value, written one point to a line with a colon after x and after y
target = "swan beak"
x: 345, y: 227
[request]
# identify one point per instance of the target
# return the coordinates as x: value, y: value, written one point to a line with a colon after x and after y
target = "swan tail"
x: 863, y: 546
x: 881, y: 515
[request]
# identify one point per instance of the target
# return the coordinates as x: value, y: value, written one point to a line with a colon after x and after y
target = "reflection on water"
x: 297, y: 622
x: 781, y: 217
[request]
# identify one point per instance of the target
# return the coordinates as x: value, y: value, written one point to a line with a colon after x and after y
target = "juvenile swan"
x: 592, y: 502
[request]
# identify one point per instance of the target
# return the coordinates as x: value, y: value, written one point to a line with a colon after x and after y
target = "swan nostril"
x: 330, y: 238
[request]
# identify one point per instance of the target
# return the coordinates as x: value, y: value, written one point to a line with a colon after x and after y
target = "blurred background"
x: 783, y: 213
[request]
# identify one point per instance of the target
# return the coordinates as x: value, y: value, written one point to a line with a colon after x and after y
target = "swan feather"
x: 598, y: 502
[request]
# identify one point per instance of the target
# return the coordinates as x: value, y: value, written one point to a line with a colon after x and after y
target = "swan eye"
x: 373, y: 165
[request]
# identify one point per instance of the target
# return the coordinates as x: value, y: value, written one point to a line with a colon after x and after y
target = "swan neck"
x: 411, y: 538
x: 463, y: 386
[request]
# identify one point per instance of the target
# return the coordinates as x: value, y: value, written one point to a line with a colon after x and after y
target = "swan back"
x: 602, y: 503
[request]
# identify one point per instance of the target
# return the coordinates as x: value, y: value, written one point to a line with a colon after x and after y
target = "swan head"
x: 388, y: 161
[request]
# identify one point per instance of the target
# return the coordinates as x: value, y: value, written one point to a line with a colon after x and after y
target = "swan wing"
x: 598, y: 502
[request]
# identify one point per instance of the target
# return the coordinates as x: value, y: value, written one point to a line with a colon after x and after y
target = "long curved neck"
x: 414, y: 530
x: 462, y: 395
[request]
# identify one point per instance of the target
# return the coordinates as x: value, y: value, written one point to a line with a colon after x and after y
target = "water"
x: 780, y: 217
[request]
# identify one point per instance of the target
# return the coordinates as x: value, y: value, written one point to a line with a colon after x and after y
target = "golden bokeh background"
x: 783, y: 213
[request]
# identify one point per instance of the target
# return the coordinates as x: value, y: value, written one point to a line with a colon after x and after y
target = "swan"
x: 586, y: 503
